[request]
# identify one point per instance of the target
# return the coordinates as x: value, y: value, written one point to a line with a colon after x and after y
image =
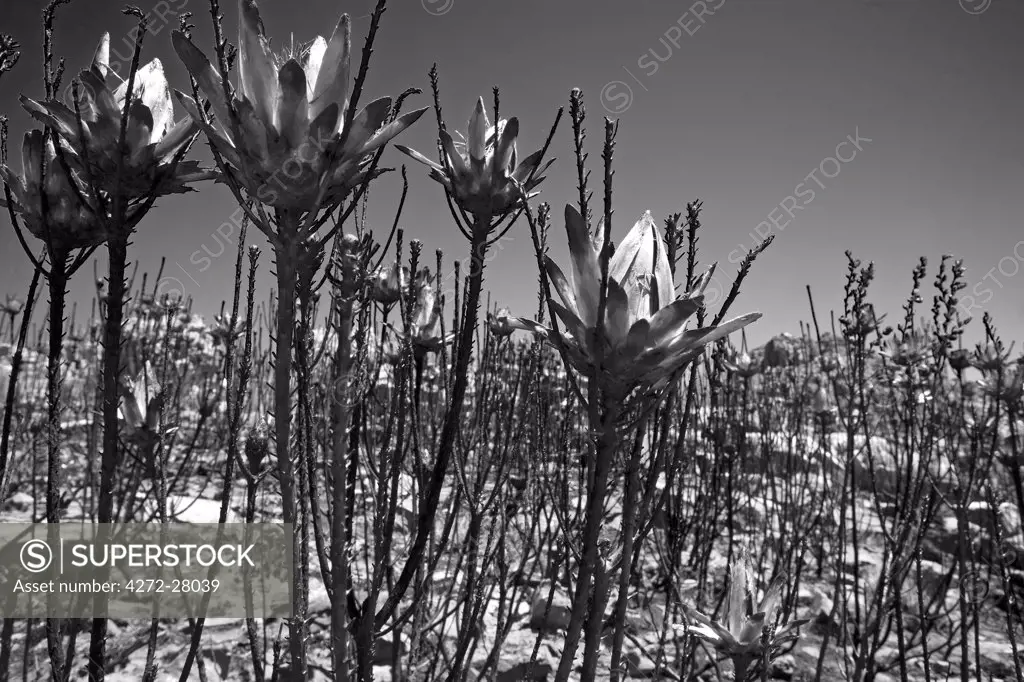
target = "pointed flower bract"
x: 153, y: 138
x: 739, y: 634
x: 644, y: 340
x: 282, y: 131
x: 481, y: 171
x: 60, y: 210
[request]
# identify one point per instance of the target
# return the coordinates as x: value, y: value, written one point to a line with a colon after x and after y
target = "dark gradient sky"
x: 744, y: 105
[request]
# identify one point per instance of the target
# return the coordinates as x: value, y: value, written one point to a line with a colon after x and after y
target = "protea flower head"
x: 960, y: 359
x: 53, y: 210
x: 741, y: 364
x: 391, y: 350
x: 1006, y: 384
x: 481, y: 172
x: 865, y: 322
x: 830, y: 361
x: 12, y: 305
x: 427, y: 334
x: 257, y: 445
x: 644, y: 339
x: 501, y: 323
x: 282, y: 130
x: 739, y: 637
x: 221, y: 331
x: 990, y: 358
x: 142, y: 401
x: 388, y: 283
x: 153, y: 139
x: 821, y: 401
x: 912, y: 352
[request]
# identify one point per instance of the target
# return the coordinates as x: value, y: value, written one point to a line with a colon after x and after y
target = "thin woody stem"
x: 58, y: 284
x: 453, y: 416
x: 287, y: 273
x: 605, y: 447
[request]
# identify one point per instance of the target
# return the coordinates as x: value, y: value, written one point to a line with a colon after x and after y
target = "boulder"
x: 781, y: 351
x: 553, y: 618
x: 19, y: 502
x: 514, y: 663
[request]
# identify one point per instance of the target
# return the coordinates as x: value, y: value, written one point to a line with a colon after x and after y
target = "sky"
x: 887, y: 127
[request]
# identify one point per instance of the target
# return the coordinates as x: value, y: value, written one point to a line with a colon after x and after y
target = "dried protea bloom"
x: 481, y: 173
x: 142, y: 400
x: 989, y: 358
x: 221, y: 331
x: 819, y: 396
x: 348, y: 270
x: 391, y: 351
x: 960, y: 359
x: 740, y: 636
x: 830, y: 361
x: 388, y: 284
x: 154, y: 141
x: 821, y: 402
x: 500, y: 323
x: 865, y: 322
x: 282, y: 131
x: 257, y: 445
x: 741, y: 364
x: 912, y: 352
x: 644, y: 340
x: 1006, y: 385
x: 427, y: 335
x: 60, y: 210
x: 12, y: 306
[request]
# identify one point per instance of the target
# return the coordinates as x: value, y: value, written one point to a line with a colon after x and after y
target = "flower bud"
x: 257, y: 445
x: 500, y: 323
x: 13, y: 305
x: 388, y: 284
x: 960, y: 359
x: 988, y: 358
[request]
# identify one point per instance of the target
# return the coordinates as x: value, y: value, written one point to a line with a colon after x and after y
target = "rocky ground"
x: 225, y: 654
